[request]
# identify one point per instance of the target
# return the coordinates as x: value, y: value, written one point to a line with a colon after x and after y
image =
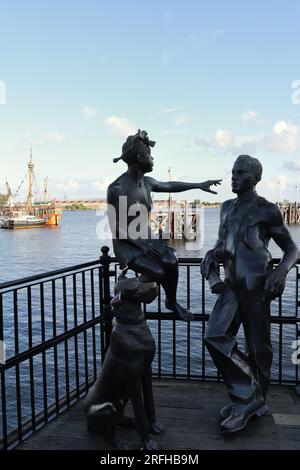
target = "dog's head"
x: 134, y: 290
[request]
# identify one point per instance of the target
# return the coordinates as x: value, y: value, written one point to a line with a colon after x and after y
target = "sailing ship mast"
x: 29, y: 201
x: 45, y: 190
x: 9, y: 194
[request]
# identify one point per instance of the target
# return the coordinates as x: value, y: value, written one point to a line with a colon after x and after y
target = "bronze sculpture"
x: 151, y: 257
x: 126, y: 372
x: 247, y: 224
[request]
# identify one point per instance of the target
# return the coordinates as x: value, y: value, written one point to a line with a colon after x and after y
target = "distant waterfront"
x: 27, y: 252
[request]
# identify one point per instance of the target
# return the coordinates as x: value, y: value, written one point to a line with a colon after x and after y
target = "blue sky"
x: 207, y: 79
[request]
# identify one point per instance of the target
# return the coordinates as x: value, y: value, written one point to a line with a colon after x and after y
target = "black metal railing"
x: 56, y: 328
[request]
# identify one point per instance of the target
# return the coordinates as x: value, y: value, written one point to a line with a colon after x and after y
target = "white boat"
x: 22, y: 220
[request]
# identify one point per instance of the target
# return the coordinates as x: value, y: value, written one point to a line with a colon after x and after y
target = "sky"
x: 208, y: 80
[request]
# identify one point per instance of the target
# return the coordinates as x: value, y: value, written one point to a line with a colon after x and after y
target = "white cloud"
x: 181, y: 119
x: 285, y: 138
x: 88, y: 112
x: 41, y: 138
x: 223, y: 139
x: 103, y: 184
x: 293, y: 165
x: 120, y: 126
x: 252, y: 117
x: 278, y: 183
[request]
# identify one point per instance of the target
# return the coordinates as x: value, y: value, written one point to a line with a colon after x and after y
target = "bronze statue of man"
x: 247, y: 223
x: 147, y: 255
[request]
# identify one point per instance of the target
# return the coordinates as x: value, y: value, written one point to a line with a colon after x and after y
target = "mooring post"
x: 106, y: 324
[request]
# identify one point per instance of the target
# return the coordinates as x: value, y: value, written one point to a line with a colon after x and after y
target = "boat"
x: 22, y: 220
x: 31, y: 213
x: 50, y: 212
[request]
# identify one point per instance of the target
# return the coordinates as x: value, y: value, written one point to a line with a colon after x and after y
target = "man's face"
x: 243, y: 177
x: 145, y: 159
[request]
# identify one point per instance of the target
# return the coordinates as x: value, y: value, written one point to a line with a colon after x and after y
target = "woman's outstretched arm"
x: 179, y: 186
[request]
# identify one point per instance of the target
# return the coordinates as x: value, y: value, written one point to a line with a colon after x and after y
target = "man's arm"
x: 278, y: 230
x: 214, y: 255
x: 282, y: 237
x: 179, y: 186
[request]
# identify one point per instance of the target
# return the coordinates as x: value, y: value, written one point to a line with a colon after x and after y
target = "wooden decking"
x: 189, y: 410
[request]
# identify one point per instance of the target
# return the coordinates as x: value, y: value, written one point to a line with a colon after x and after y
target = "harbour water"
x: 27, y: 252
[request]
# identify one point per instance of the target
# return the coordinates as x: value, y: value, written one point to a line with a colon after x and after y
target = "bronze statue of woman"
x: 147, y: 255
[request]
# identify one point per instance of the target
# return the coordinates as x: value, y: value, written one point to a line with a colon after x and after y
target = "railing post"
x: 105, y: 260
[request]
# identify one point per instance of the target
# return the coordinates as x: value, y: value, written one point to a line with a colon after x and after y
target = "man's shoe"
x: 241, y: 414
x: 225, y: 411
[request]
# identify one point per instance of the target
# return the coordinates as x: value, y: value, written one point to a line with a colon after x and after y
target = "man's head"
x: 246, y: 173
x: 137, y: 151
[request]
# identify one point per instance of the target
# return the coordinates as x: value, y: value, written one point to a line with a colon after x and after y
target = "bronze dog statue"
x: 126, y: 372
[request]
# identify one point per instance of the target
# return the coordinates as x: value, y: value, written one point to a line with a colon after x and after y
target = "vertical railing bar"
x: 31, y: 371
x: 85, y: 332
x: 76, y: 336
x: 174, y: 348
x: 159, y: 332
x: 55, y: 346
x: 189, y: 324
x: 203, y: 324
x: 93, y: 328
x: 65, y: 308
x: 297, y: 292
x: 296, y: 318
x: 102, y: 340
x: 280, y: 343
x: 3, y: 387
x: 44, y: 363
x: 4, y: 410
x: 17, y: 367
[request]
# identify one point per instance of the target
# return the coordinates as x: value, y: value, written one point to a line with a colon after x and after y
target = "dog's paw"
x: 157, y: 428
x: 150, y: 445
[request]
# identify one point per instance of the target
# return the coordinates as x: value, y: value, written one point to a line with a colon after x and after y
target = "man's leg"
x: 222, y: 346
x: 255, y: 316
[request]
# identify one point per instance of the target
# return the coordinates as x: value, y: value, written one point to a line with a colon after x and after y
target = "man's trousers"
x: 245, y: 374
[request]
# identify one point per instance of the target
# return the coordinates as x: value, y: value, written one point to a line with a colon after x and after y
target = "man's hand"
x: 210, y: 261
x: 275, y: 283
x: 207, y: 184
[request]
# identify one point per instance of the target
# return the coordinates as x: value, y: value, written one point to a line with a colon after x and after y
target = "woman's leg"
x: 165, y: 273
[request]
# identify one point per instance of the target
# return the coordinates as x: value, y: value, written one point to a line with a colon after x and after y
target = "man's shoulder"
x: 270, y: 206
x: 226, y: 204
x: 271, y: 212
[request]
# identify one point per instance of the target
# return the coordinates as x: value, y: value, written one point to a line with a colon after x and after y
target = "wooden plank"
x: 189, y: 410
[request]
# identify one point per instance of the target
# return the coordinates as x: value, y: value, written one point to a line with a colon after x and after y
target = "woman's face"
x: 145, y: 159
